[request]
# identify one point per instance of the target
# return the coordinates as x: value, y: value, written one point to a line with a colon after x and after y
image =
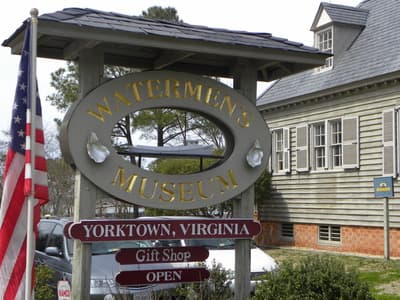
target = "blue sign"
x: 383, y: 187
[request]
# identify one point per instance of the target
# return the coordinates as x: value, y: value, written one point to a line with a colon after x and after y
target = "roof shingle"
x: 374, y: 53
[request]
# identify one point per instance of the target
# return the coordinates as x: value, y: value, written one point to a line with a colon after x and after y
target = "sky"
x: 289, y: 19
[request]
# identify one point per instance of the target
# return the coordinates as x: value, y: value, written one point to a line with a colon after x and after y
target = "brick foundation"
x: 360, y: 240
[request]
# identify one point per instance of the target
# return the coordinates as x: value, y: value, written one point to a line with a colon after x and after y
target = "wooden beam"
x: 72, y: 51
x: 91, y: 66
x: 170, y: 57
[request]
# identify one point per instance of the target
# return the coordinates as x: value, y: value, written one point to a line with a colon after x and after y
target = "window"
x: 324, y: 42
x: 319, y: 145
x: 287, y: 231
x: 336, y: 143
x: 280, y: 151
x: 328, y: 145
x: 56, y: 239
x: 329, y: 233
x: 45, y: 228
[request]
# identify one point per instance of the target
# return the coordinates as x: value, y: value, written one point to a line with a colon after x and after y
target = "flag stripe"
x: 10, y: 182
x: 38, y: 131
x: 18, y: 179
x: 11, y: 217
x: 16, y: 275
x: 40, y: 162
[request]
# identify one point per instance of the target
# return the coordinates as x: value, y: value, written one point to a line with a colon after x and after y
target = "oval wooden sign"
x: 92, y: 119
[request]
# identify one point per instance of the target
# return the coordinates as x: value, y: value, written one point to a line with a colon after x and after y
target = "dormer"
x: 335, y: 28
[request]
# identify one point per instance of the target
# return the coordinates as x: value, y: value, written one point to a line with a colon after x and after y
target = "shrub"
x: 43, y: 275
x: 217, y: 287
x: 315, y: 277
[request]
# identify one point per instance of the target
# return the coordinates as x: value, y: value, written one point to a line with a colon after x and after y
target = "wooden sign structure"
x: 162, y: 255
x: 89, y: 231
x: 94, y: 39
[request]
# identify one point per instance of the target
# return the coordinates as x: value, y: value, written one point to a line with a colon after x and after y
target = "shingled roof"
x: 342, y: 14
x: 373, y: 54
x: 155, y: 44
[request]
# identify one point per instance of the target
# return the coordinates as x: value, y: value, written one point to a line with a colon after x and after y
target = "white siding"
x: 344, y: 196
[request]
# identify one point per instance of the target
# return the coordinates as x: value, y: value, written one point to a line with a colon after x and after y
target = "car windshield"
x: 99, y: 248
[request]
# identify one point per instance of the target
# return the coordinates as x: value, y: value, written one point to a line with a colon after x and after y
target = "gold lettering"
x: 101, y: 108
x: 212, y: 100
x: 244, y: 119
x: 122, y: 99
x: 172, y: 86
x: 142, y: 188
x: 186, y: 190
x: 152, y: 87
x: 135, y: 90
x: 167, y: 188
x: 121, y: 182
x: 228, y: 103
x: 193, y: 92
x: 200, y: 189
x: 225, y: 184
x: 208, y: 95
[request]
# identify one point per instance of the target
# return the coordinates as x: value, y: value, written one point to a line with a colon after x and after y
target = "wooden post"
x: 386, y: 228
x: 245, y: 81
x: 90, y: 75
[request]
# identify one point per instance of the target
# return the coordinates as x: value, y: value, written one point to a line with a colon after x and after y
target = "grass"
x: 383, y: 276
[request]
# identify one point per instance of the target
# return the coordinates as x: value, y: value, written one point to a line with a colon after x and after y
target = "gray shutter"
x: 302, y: 163
x: 389, y: 142
x: 286, y: 150
x: 272, y: 166
x: 350, y: 143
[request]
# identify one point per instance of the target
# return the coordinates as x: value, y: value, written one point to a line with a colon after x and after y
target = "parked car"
x: 222, y: 252
x: 54, y: 250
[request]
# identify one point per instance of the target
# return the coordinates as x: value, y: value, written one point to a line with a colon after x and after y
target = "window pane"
x: 336, y: 143
x: 319, y: 145
x: 44, y: 231
x: 325, y: 43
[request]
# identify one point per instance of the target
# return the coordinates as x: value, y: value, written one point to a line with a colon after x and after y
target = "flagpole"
x: 30, y: 246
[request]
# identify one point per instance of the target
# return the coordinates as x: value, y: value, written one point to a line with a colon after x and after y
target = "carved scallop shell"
x: 255, y: 155
x: 96, y: 151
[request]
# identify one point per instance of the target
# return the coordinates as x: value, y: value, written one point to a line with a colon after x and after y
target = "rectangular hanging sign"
x: 162, y: 276
x: 161, y: 255
x: 161, y: 229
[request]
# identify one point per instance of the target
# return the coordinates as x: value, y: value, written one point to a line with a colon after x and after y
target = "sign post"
x: 383, y: 187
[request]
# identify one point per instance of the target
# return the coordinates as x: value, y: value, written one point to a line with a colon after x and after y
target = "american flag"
x: 17, y: 180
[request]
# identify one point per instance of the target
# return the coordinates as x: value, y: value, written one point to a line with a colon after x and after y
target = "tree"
x: 3, y: 153
x: 61, y: 188
x: 188, y: 166
x: 160, y: 13
x: 65, y: 81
